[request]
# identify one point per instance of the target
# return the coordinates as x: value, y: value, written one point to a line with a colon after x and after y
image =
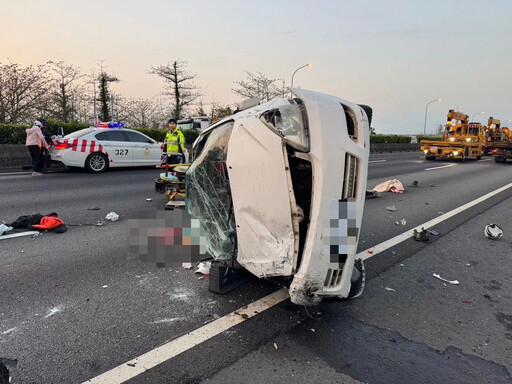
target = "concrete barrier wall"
x: 16, y: 156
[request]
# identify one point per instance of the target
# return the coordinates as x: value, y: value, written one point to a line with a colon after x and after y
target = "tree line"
x: 63, y: 92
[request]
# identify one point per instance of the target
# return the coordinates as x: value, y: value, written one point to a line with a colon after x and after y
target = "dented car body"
x: 279, y: 189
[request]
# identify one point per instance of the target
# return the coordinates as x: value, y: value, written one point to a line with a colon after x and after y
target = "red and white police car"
x: 98, y: 148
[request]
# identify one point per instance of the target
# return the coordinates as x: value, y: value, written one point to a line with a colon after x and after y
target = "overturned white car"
x: 280, y: 189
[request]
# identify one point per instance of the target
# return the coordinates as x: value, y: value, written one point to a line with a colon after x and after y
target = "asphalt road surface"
x: 78, y: 304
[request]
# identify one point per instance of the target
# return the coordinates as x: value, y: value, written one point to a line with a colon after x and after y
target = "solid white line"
x: 376, y: 161
x: 444, y: 166
x: 370, y: 252
x: 21, y: 234
x: 157, y: 356
x: 15, y: 173
x: 481, y: 161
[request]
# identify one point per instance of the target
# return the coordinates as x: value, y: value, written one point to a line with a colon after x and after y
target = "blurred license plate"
x: 433, y: 148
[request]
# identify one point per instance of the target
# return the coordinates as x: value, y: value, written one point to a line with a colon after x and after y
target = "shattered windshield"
x: 290, y: 122
x: 208, y: 193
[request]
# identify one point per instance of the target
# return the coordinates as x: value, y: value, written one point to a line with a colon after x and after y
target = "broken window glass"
x: 208, y: 193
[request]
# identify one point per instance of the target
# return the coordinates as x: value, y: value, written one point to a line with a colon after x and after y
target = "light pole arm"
x: 426, y: 108
x: 304, y: 66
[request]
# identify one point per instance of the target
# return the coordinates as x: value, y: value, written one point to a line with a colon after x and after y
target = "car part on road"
x: 96, y: 163
x: 422, y: 235
x: 394, y: 186
x: 493, y: 231
x: 391, y: 208
x: 453, y: 282
x: 112, y: 216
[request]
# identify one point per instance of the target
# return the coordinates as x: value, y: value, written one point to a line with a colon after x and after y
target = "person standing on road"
x: 175, y: 144
x: 35, y: 141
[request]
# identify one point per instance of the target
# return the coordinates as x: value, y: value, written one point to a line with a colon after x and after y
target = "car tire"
x: 96, y: 162
x: 479, y: 157
x: 431, y: 158
x: 358, y: 280
x: 500, y: 159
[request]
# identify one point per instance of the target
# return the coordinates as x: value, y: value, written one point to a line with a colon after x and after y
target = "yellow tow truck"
x: 500, y: 143
x: 461, y: 139
x: 492, y: 132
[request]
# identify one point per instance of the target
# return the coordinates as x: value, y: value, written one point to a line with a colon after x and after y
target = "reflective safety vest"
x: 175, y: 142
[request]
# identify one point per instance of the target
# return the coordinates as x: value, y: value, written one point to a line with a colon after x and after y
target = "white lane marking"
x: 8, y: 331
x: 53, y: 311
x: 443, y: 166
x: 376, y: 161
x: 370, y: 252
x: 157, y: 356
x: 15, y: 173
x: 481, y: 161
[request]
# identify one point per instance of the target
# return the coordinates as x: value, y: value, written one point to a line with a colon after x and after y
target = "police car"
x: 98, y: 148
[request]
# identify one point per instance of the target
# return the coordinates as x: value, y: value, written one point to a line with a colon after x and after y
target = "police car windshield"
x: 77, y: 134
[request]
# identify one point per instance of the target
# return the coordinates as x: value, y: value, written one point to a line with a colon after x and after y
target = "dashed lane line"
x: 443, y: 166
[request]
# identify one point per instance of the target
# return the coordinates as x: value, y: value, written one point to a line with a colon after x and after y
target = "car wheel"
x: 358, y: 280
x: 499, y: 159
x: 96, y: 163
x: 479, y: 157
x: 431, y: 158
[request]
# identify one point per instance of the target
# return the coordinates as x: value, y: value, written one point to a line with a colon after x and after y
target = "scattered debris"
x: 37, y: 234
x: 493, y: 231
x: 466, y: 301
x: 4, y: 229
x: 21, y: 234
x: 93, y: 209
x: 440, y: 213
x: 414, y: 183
x: 372, y: 194
x: 370, y: 251
x: 453, y: 282
x: 433, y: 232
x: 200, y: 278
x: 403, y: 222
x: 149, y: 199
x: 394, y: 186
x: 432, y: 185
x: 186, y: 265
x: 389, y: 289
x: 468, y: 265
x: 105, y: 286
x: 391, y: 208
x: 275, y: 345
x: 131, y: 364
x: 112, y: 216
x: 204, y: 268
x: 423, y: 235
x: 100, y: 223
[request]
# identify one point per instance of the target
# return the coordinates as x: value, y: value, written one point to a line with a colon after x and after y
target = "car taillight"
x: 63, y: 145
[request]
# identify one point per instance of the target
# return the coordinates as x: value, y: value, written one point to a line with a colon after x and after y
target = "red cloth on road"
x: 49, y: 223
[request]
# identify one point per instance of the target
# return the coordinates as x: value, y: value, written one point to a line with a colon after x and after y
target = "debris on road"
x: 394, y: 186
x: 112, y: 216
x: 93, y: 209
x: 414, y: 183
x: 4, y: 229
x: 372, y: 194
x: 275, y: 345
x: 493, y: 231
x: 403, y: 222
x: 467, y: 301
x: 453, y: 282
x: 433, y: 232
x: 423, y: 235
x: 21, y: 234
x: 186, y: 265
x: 391, y: 208
x: 149, y: 199
x: 432, y: 185
x: 204, y: 268
x: 389, y: 289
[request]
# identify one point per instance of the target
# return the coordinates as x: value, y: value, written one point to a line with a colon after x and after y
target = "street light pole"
x: 304, y: 66
x: 426, y: 108
x: 478, y: 113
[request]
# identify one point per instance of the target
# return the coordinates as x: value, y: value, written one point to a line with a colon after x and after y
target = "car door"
x: 146, y: 151
x: 116, y: 147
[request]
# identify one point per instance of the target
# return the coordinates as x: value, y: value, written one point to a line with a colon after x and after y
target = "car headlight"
x: 455, y: 153
x: 425, y: 151
x: 468, y: 139
x: 452, y: 138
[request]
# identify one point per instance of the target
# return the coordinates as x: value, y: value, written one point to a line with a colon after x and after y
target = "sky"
x: 395, y: 55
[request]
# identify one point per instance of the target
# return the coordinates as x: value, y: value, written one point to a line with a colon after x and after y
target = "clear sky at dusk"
x: 393, y: 55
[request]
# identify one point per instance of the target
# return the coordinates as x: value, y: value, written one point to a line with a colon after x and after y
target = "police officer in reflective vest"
x: 175, y: 142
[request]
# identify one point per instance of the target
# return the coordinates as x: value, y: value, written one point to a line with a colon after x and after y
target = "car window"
x: 136, y: 137
x: 111, y: 136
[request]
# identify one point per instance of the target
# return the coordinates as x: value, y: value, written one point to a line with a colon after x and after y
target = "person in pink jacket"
x: 35, y: 140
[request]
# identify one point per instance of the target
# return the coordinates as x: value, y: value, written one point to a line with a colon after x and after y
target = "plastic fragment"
x: 433, y: 232
x: 389, y: 289
x: 467, y: 301
x: 403, y: 222
x: 414, y: 183
x: 112, y: 216
x: 93, y: 209
x: 4, y: 229
x: 275, y: 345
x: 391, y: 208
x: 493, y: 231
x: 204, y: 268
x: 149, y: 199
x: 186, y: 265
x: 453, y: 282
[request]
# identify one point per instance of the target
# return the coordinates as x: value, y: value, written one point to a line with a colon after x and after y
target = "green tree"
x: 104, y: 97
